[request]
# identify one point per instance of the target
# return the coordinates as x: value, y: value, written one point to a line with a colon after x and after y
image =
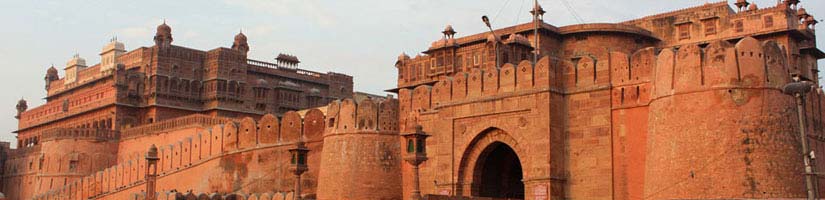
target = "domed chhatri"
x: 240, y: 43
x: 240, y: 37
x: 449, y: 32
x: 163, y: 36
x: 164, y: 29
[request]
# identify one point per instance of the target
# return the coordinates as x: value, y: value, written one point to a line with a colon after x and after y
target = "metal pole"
x: 416, y: 193
x: 809, y: 182
x: 297, y: 195
x: 536, y: 32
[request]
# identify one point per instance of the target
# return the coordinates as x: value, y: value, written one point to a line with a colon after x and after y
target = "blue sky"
x: 358, y: 37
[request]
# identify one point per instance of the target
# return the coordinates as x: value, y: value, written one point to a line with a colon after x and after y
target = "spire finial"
x: 164, y: 20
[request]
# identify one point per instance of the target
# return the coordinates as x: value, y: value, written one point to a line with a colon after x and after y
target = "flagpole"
x: 536, y: 32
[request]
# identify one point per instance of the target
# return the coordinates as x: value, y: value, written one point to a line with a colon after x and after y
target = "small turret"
x: 51, y: 75
x: 163, y: 36
x: 22, y: 106
x: 538, y: 10
x: 240, y: 43
x: 74, y: 65
x: 449, y: 32
x: 109, y: 54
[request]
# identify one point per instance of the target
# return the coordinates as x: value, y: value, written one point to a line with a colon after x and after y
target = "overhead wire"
x: 500, y: 9
x: 518, y: 14
x: 572, y: 11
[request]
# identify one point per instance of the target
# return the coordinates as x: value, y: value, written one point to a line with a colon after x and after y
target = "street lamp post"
x: 151, y: 172
x: 798, y: 90
x: 416, y: 154
x: 298, y: 165
x: 486, y: 21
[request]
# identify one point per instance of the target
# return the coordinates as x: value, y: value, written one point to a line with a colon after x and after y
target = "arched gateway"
x: 491, y: 167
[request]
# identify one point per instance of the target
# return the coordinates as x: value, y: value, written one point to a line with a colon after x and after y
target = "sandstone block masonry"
x: 684, y: 104
x: 679, y: 105
x: 226, y: 156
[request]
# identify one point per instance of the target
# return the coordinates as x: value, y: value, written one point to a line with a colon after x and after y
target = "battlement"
x: 80, y: 134
x: 348, y: 116
x: 524, y: 77
x: 633, y: 77
x: 222, y: 137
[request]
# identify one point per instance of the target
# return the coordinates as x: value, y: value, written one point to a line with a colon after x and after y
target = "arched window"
x: 410, y: 146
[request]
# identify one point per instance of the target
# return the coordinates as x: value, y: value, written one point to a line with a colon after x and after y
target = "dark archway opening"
x: 499, y: 173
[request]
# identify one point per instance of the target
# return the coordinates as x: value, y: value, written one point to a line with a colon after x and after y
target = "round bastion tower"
x: 69, y: 154
x: 721, y: 125
x: 361, y: 156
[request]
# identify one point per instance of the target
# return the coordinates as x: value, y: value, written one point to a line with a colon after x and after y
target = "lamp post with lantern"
x: 298, y: 165
x: 151, y: 172
x: 416, y: 154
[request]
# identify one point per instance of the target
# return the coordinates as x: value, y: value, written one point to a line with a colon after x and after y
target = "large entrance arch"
x: 499, y: 172
x: 490, y: 166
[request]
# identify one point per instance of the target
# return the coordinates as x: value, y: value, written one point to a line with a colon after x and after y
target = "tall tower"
x: 109, y: 54
x: 72, y: 67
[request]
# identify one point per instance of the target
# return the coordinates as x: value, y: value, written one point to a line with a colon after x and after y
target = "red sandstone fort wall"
x: 245, y: 156
x: 361, y: 154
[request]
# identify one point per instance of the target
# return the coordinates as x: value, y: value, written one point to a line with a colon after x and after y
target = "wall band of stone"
x: 197, y: 151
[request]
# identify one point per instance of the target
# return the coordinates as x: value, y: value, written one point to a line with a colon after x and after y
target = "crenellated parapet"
x: 347, y: 116
x: 221, y: 139
x: 548, y: 74
x: 361, y: 143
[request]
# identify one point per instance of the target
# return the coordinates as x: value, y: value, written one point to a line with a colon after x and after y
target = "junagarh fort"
x: 719, y: 101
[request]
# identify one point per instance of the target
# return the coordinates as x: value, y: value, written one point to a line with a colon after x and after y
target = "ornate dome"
x: 240, y: 37
x: 163, y: 36
x: 449, y: 30
x: 153, y: 152
x: 164, y: 29
x: 51, y: 70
